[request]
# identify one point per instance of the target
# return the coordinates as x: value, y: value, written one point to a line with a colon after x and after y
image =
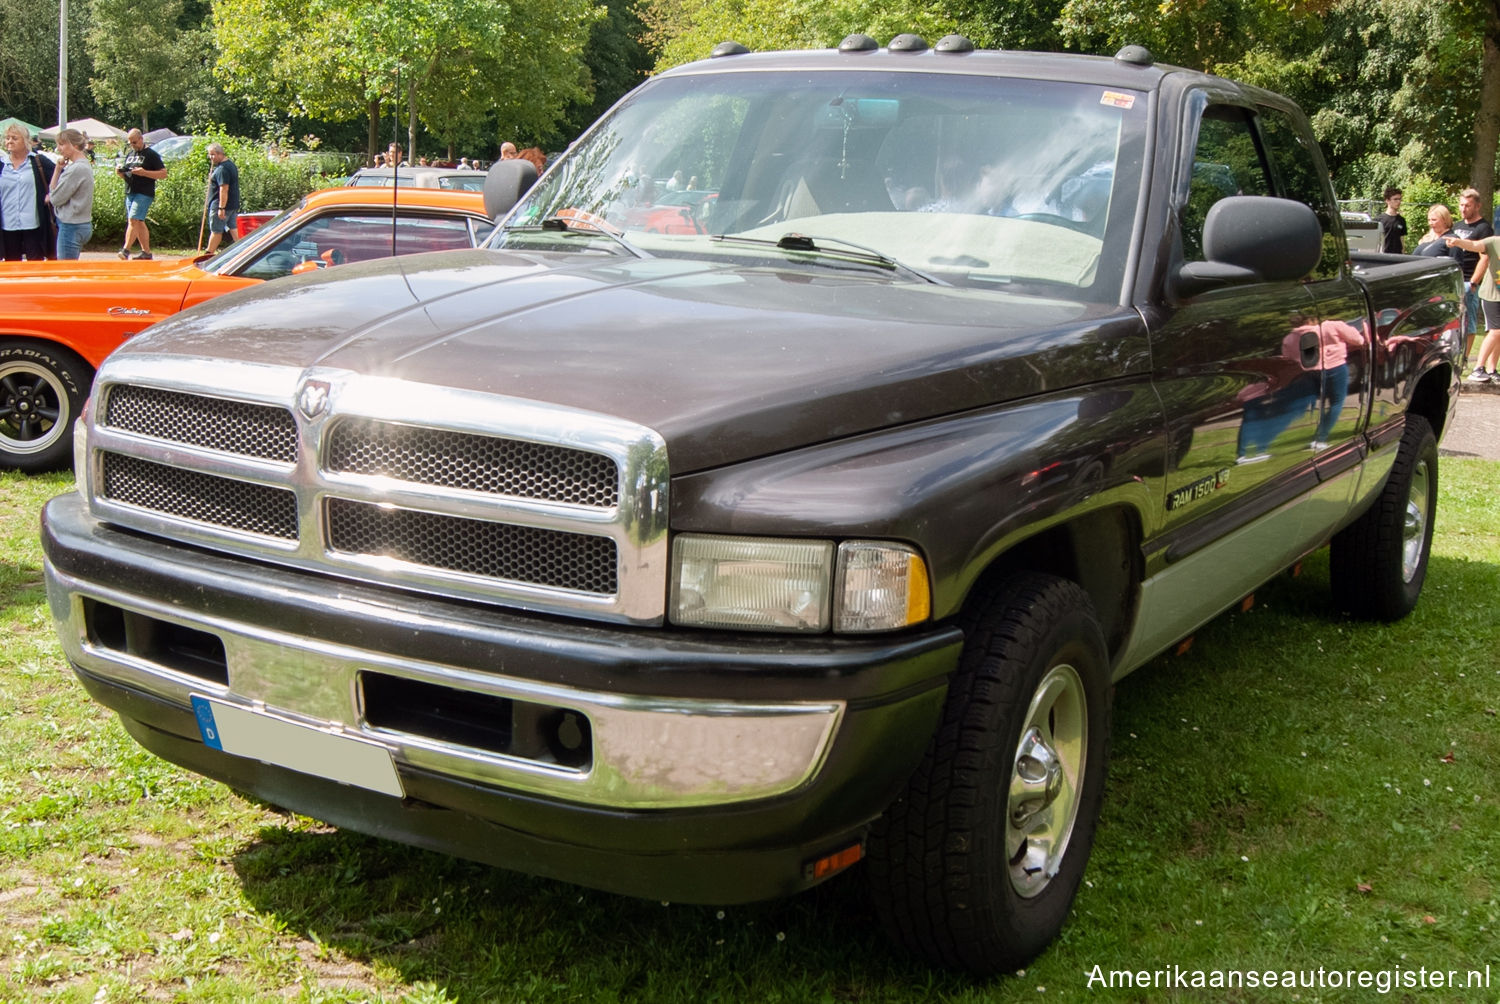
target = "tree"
x: 141, y: 55
x: 617, y: 60
x: 28, y: 60
x: 463, y: 62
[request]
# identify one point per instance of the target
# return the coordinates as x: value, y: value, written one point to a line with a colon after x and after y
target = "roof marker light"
x: 955, y: 44
x: 1136, y: 55
x: 858, y: 43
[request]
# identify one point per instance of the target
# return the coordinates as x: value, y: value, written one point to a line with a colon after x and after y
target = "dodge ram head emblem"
x: 313, y: 398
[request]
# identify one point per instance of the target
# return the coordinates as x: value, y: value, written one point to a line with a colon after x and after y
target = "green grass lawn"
x: 1297, y: 791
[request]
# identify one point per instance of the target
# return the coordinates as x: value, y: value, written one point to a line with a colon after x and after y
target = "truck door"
x: 1342, y: 312
x: 1238, y: 368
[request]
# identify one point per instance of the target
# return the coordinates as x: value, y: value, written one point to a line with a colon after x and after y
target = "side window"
x: 336, y: 239
x: 1299, y: 177
x: 1227, y: 161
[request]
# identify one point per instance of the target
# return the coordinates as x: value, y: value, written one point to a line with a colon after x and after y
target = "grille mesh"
x: 203, y: 498
x: 475, y: 463
x: 496, y: 550
x: 215, y: 423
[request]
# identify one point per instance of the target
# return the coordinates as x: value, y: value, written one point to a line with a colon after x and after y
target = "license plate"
x: 298, y: 747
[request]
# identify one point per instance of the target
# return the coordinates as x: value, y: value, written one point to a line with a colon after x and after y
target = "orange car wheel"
x: 42, y: 389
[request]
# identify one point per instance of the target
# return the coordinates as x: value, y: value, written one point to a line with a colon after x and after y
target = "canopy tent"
x: 91, y: 128
x: 157, y: 135
x: 31, y: 130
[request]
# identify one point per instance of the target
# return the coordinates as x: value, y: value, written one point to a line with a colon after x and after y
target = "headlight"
x: 751, y: 582
x: 771, y: 584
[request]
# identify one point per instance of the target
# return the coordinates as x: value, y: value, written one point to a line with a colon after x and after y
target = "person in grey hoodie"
x: 72, y: 194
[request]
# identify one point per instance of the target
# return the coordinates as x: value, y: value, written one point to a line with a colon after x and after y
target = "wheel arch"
x: 1433, y: 396
x: 1099, y: 550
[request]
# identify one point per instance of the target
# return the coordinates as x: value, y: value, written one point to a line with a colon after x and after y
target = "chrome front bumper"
x: 646, y: 752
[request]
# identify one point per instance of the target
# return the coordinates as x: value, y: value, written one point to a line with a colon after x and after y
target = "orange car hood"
x: 94, y: 268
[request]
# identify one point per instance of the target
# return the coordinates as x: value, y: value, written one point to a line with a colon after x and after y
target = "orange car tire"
x: 42, y: 390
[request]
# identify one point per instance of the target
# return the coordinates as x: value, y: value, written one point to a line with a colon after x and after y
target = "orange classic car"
x: 59, y: 319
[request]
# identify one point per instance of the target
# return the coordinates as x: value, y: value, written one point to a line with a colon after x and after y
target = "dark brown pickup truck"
x: 783, y: 487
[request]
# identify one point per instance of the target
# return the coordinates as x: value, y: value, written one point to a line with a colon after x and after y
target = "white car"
x: 453, y: 178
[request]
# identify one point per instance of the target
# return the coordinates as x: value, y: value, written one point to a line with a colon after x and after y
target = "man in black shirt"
x: 141, y: 170
x: 1472, y: 226
x: 1392, y: 223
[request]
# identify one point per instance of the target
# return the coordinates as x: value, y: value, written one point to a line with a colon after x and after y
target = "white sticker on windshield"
x: 1117, y: 100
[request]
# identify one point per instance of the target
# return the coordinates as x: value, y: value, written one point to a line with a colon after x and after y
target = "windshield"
x: 226, y: 262
x: 973, y: 180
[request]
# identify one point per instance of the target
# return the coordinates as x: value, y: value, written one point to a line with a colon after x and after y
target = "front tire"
x: 976, y: 864
x: 42, y: 390
x: 1378, y: 563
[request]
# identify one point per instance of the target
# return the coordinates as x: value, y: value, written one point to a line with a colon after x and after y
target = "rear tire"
x: 1378, y: 563
x: 42, y: 390
x: 976, y: 864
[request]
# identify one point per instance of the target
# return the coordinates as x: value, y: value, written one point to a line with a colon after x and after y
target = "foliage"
x: 28, y: 60
x: 685, y: 30
x: 469, y: 64
x: 177, y: 212
x: 141, y: 55
x: 617, y: 60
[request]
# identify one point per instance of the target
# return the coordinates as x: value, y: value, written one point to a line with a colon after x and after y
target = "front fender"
x: 963, y: 489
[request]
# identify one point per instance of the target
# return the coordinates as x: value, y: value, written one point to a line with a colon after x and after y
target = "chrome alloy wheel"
x: 1414, y: 526
x: 1046, y: 780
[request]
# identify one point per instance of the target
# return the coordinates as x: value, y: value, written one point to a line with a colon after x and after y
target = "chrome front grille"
x: 200, y: 498
x: 452, y: 492
x: 214, y: 423
x: 490, y: 464
x: 475, y: 547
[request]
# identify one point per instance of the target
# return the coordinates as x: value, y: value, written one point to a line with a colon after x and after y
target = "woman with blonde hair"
x: 72, y: 195
x: 1439, y: 223
x: 26, y: 224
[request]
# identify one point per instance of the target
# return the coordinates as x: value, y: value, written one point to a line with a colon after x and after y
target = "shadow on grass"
x: 1212, y: 758
x: 483, y: 933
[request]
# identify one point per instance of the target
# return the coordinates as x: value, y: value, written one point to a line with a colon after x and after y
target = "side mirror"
x: 1254, y: 238
x: 505, y: 183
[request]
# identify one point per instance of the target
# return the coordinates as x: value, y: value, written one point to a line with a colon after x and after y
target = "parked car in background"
x: 58, y: 320
x: 454, y: 178
x: 174, y: 147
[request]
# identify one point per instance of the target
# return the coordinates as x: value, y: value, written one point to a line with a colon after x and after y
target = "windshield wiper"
x: 844, y: 249
x: 577, y: 225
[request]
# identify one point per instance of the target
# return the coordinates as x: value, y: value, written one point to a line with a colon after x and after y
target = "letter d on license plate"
x: 294, y: 746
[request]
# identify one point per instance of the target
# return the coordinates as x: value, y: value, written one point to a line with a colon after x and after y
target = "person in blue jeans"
x: 141, y: 169
x: 72, y: 195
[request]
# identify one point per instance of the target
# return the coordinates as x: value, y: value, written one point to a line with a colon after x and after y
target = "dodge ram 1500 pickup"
x: 783, y: 487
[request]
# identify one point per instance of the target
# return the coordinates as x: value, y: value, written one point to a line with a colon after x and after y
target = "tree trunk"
x: 374, y: 135
x: 411, y: 118
x: 1487, y: 119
